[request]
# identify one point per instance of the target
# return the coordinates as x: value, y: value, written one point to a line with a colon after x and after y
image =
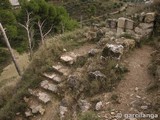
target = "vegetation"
x: 4, y: 58
x: 41, y: 62
x: 40, y: 11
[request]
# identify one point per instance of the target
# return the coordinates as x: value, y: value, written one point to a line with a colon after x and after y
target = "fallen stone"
x: 113, y: 113
x: 49, y: 86
x: 149, y: 17
x: 99, y: 106
x: 97, y: 75
x: 84, y: 105
x: 73, y: 82
x: 37, y: 109
x: 144, y: 107
x: 136, y: 89
x: 26, y: 99
x: 92, y: 52
x: 28, y: 113
x: 139, y: 30
x: 63, y: 110
x: 113, y: 50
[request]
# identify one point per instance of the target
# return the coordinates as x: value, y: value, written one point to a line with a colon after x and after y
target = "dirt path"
x: 134, y: 85
x: 131, y: 91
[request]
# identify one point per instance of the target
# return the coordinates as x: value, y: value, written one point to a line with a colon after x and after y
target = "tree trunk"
x: 10, y: 49
x: 30, y: 44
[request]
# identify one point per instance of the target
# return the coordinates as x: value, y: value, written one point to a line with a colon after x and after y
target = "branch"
x: 23, y: 26
x: 48, y: 31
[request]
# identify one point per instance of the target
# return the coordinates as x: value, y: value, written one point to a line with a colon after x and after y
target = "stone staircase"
x: 50, y: 85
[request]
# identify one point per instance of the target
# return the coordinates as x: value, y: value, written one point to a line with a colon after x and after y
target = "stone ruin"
x: 142, y: 28
x: 112, y: 43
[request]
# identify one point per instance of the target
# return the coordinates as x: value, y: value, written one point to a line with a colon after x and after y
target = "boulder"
x: 97, y: 75
x: 145, y: 26
x: 149, y: 17
x: 129, y: 24
x: 121, y: 22
x: 84, y: 105
x: 112, y: 23
x: 93, y: 52
x: 99, y: 106
x: 73, y: 82
x: 113, y: 50
x: 139, y: 30
x: 127, y: 43
x: 142, y: 16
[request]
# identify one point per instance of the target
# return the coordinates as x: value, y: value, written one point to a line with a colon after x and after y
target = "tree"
x: 42, y: 34
x: 5, y: 4
x: 10, y: 49
x: 8, y: 20
x: 27, y: 26
x: 46, y: 18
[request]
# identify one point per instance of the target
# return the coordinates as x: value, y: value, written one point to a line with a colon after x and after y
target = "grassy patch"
x: 4, y: 58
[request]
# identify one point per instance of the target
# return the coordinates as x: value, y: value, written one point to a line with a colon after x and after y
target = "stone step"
x: 34, y: 107
x: 53, y: 76
x: 42, y: 96
x: 63, y: 70
x: 72, y: 57
x: 49, y: 86
x: 69, y: 58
